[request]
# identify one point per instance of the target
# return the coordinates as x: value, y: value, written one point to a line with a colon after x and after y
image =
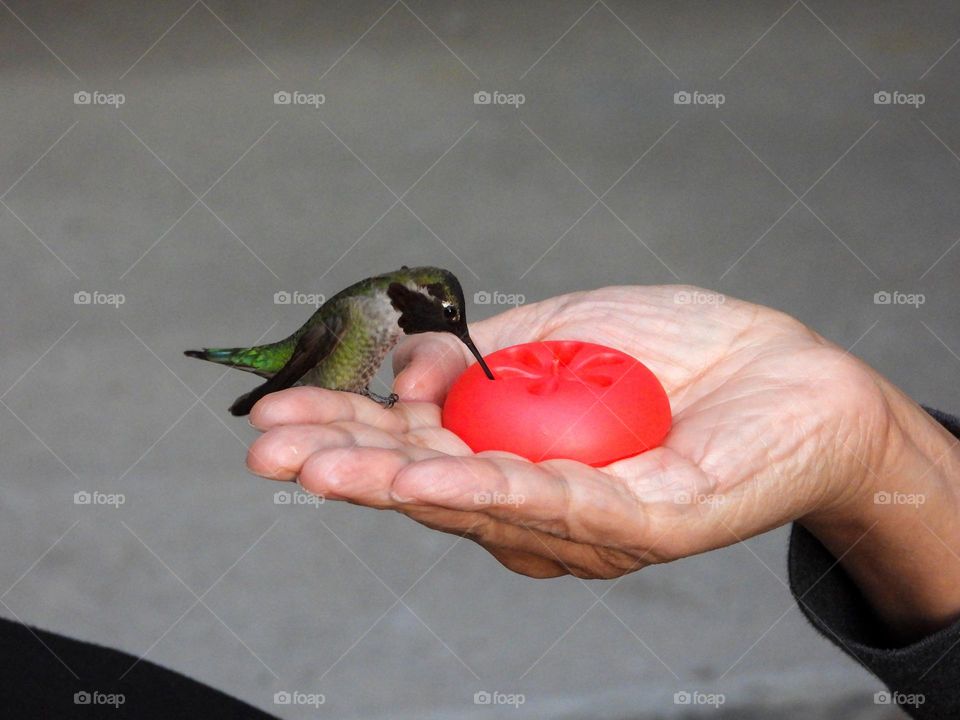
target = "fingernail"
x: 402, y: 498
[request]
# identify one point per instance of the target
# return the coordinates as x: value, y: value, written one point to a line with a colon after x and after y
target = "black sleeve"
x: 923, y: 677
x: 46, y: 675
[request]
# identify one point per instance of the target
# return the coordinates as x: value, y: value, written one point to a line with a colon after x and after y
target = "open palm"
x: 771, y: 423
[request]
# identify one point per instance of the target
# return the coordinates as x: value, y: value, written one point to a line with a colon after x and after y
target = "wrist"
x: 897, y: 534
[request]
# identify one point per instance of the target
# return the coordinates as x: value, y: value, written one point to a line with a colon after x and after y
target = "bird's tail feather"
x: 262, y: 360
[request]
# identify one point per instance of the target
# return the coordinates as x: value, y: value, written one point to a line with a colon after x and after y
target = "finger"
x: 561, y: 497
x: 564, y: 498
x: 426, y: 366
x: 279, y: 454
x: 438, y: 439
x: 526, y: 564
x: 365, y: 476
x: 358, y: 475
x: 361, y: 475
x: 498, y: 536
x: 599, y: 513
x: 305, y: 405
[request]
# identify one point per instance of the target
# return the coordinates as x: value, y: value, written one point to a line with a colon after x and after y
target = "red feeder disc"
x: 560, y: 399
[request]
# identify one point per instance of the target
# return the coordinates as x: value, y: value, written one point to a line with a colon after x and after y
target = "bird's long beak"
x: 476, y: 353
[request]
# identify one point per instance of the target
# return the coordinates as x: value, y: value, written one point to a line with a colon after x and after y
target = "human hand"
x: 772, y: 423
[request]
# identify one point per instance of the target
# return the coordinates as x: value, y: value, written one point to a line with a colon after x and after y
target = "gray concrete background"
x: 303, y: 598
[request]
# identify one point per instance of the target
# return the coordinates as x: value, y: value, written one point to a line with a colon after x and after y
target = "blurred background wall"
x: 175, y: 199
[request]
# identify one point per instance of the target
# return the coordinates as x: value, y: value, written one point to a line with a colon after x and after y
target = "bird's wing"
x: 314, y: 345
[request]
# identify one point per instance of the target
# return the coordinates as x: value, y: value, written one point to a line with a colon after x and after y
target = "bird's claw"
x: 387, y: 401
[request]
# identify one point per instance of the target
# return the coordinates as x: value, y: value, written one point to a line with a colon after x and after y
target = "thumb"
x: 426, y: 365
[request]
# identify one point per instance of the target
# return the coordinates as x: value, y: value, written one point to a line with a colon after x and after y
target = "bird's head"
x: 431, y: 300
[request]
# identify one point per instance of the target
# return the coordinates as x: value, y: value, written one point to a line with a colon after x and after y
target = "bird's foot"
x: 388, y: 401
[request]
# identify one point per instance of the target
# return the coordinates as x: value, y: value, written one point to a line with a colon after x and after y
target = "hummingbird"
x: 343, y: 344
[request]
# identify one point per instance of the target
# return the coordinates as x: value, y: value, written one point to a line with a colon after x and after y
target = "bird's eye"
x: 450, y: 312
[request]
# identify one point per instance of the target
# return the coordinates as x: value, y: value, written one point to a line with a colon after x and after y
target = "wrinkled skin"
x: 771, y: 423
